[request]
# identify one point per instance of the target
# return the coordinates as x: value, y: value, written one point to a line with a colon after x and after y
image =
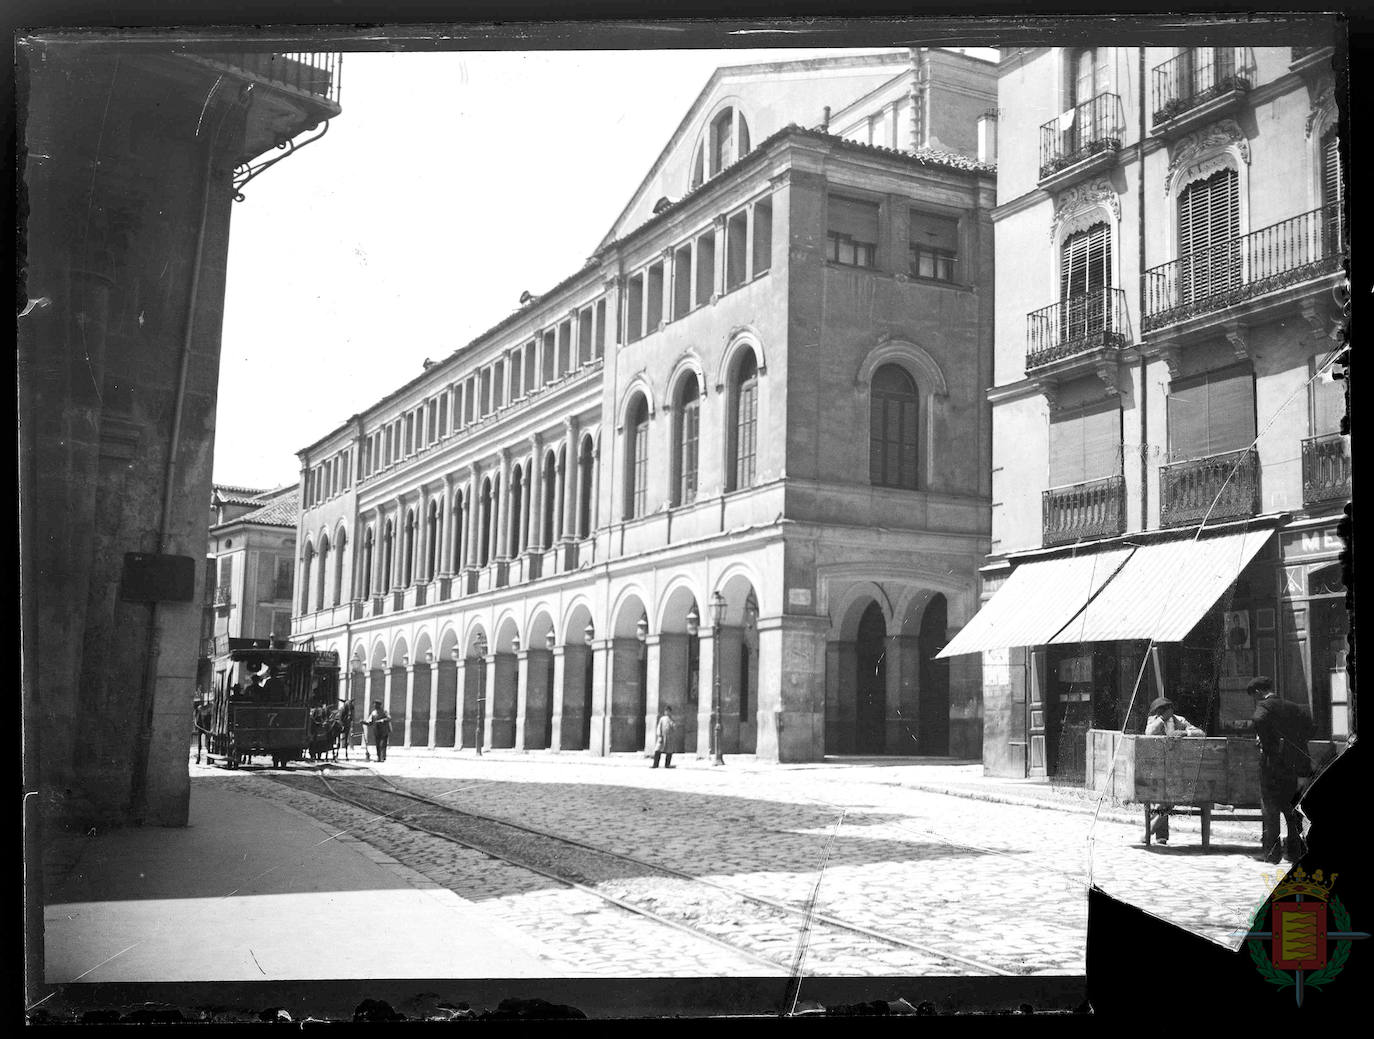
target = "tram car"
x: 278, y: 718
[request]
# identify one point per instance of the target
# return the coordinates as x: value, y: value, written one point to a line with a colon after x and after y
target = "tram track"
x: 615, y: 877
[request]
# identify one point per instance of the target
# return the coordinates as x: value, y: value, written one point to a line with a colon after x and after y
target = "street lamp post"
x: 717, y: 619
x: 481, y: 644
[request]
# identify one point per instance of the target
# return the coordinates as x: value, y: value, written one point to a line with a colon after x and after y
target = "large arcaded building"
x: 738, y: 463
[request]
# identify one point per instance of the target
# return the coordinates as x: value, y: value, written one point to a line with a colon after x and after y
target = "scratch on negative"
x: 804, y: 940
x: 256, y: 963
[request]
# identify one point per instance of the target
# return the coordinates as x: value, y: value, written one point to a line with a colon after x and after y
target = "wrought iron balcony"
x: 1262, y: 261
x: 1325, y: 469
x: 1224, y: 486
x: 316, y: 74
x: 1093, y: 128
x: 1084, y: 511
x: 1076, y: 326
x: 1197, y: 76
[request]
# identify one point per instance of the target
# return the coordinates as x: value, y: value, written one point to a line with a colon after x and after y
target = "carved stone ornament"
x: 1323, y: 111
x: 1079, y: 207
x: 1236, y: 335
x: 1218, y: 137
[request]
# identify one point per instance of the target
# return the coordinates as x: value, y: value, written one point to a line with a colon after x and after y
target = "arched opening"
x: 459, y: 525
x: 686, y: 432
x: 893, y: 445
x: 307, y: 561
x: 517, y: 496
x: 388, y: 554
x: 636, y: 457
x: 431, y: 540
x: 628, y: 679
x: 408, y: 552
x: 574, y: 725
x: 548, y: 500
x: 340, y: 554
x: 536, y: 724
x: 744, y: 416
x: 933, y: 735
x: 369, y: 537
x: 584, y: 488
x: 484, y: 541
x: 322, y: 574
x: 870, y: 686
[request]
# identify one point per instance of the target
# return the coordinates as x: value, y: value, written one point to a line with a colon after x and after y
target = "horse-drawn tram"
x: 270, y: 699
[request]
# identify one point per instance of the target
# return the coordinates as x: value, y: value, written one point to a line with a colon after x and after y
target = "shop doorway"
x: 870, y: 708
x: 933, y: 737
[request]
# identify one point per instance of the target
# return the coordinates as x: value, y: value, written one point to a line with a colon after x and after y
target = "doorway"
x: 870, y: 686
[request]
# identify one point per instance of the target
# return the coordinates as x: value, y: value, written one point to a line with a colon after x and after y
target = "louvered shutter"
x: 1333, y: 193
x: 1208, y: 233
x: 1085, y: 262
x: 1085, y: 445
x: 1212, y: 414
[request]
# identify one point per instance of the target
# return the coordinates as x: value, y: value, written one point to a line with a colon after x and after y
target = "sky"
x: 451, y: 183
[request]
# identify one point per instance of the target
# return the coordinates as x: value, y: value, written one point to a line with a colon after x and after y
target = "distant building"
x: 133, y: 153
x: 1168, y: 462
x: 763, y: 395
x: 250, y: 568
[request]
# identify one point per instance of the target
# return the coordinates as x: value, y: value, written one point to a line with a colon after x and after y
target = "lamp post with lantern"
x: 480, y: 643
x: 588, y: 693
x: 642, y: 634
x: 717, y: 619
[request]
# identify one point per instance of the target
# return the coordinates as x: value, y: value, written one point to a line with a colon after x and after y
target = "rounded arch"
x: 677, y: 600
x: 689, y: 362
x: 625, y: 615
x: 448, y: 641
x: 507, y: 631
x: 742, y: 338
x: 576, y: 616
x: 739, y: 589
x: 915, y: 359
x: 848, y: 609
x: 424, y: 645
x: 540, y: 627
x: 400, y: 651
x: 378, y: 656
x: 475, y: 628
x: 722, y: 139
x: 639, y: 386
x: 732, y: 572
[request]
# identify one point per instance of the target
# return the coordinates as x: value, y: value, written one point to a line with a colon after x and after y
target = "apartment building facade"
x: 1169, y: 468
x: 732, y: 465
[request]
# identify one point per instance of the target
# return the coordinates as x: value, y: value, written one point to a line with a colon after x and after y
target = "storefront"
x: 1087, y: 637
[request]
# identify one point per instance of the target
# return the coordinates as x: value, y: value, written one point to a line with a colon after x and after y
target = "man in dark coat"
x: 1282, y: 729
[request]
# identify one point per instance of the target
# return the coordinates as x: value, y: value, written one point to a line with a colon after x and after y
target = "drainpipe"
x: 147, y: 694
x: 1140, y: 290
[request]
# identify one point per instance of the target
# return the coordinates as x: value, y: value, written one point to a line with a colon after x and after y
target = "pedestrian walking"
x: 663, y: 740
x: 1164, y: 722
x: 1282, y: 729
x: 380, y: 723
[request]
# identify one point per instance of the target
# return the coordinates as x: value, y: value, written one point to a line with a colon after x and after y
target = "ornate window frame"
x: 1196, y: 156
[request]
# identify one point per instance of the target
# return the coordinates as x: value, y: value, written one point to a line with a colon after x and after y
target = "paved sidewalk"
x: 257, y: 891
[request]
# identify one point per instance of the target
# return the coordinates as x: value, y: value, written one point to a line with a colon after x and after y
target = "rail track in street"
x: 764, y: 930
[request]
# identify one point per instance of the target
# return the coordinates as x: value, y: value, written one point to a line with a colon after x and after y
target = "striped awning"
x: 1038, y: 599
x: 1165, y: 589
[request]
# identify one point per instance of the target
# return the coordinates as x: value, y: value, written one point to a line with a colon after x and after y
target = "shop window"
x: 852, y: 232
x: 933, y: 247
x: 1212, y: 414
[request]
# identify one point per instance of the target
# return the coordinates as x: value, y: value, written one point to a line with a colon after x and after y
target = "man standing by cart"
x: 1282, y: 729
x: 380, y: 724
x: 1164, y: 722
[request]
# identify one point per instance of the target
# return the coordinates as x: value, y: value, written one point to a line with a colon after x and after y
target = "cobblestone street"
x: 972, y: 886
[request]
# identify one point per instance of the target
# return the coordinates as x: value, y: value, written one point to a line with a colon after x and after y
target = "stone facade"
x: 523, y: 545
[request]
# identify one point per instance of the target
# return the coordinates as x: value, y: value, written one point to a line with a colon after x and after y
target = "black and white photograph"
x: 928, y: 439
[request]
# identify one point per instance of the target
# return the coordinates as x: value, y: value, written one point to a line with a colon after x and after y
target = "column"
x: 731, y: 639
x: 793, y: 659
x: 558, y: 665
x: 569, y: 491
x: 503, y: 542
x: 671, y: 683
x: 601, y: 706
x: 706, y: 664
x: 398, y: 698
x: 400, y: 729
x: 536, y: 492
x: 485, y: 507
x: 651, y: 689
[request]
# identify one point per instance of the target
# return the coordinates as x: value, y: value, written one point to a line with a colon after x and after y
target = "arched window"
x: 686, y: 432
x: 432, y: 541
x: 307, y: 560
x: 408, y: 559
x: 548, y: 499
x: 1209, y: 235
x: 368, y: 547
x: 636, y: 457
x: 561, y: 472
x: 484, y: 532
x: 340, y: 553
x: 517, y: 494
x: 388, y: 554
x: 323, y: 574
x: 893, y: 440
x: 744, y: 421
x: 584, y: 488
x: 725, y: 142
x: 458, y: 525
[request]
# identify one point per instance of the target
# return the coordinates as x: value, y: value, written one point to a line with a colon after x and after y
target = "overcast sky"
x: 451, y: 183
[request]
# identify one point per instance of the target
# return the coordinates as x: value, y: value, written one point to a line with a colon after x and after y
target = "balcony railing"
x: 1095, y: 509
x: 1197, y: 76
x: 1325, y: 469
x: 318, y: 74
x: 1217, y: 487
x: 1273, y: 257
x: 1083, y: 131
x: 1091, y: 321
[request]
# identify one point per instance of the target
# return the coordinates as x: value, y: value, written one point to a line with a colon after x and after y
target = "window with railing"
x: 1325, y: 469
x: 1081, y: 132
x: 1196, y: 76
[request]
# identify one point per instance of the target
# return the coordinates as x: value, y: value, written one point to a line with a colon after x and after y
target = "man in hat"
x: 1164, y: 722
x: 1282, y: 729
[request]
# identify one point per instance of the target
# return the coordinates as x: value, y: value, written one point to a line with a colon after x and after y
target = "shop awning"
x: 1038, y: 599
x: 1164, y: 589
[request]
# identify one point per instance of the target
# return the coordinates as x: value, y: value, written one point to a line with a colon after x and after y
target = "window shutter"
x: 1085, y: 262
x: 1085, y: 445
x: 907, y: 476
x: 1208, y: 233
x: 1328, y: 404
x: 858, y: 220
x: 1332, y: 193
x: 1230, y: 410
x: 876, y: 443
